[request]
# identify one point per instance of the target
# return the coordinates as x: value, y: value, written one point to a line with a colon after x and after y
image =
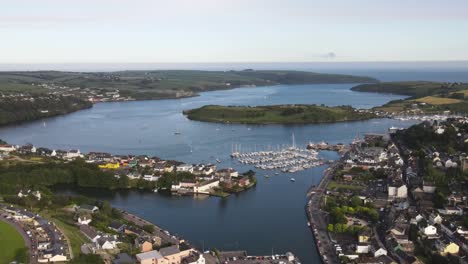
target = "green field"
x: 433, y: 100
x: 10, y: 243
x: 276, y: 114
x: 437, y: 96
x: 413, y: 89
x: 336, y: 185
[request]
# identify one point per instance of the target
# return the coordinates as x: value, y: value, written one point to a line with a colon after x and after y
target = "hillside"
x: 163, y: 84
x: 430, y: 97
x: 276, y: 114
x: 16, y: 110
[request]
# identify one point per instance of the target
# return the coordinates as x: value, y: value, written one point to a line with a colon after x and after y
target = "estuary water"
x: 268, y: 218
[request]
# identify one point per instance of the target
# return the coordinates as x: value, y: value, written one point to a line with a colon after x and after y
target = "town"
x: 92, y: 237
x: 143, y: 171
x: 397, y: 198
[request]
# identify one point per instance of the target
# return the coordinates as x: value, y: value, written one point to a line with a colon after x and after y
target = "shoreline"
x: 196, y: 94
x: 317, y: 225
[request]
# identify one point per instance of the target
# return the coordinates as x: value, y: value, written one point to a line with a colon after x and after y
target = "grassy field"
x: 433, y: 100
x: 10, y: 242
x: 336, y: 185
x: 438, y: 96
x: 276, y: 114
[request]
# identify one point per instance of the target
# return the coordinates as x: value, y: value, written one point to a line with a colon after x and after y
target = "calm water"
x: 268, y: 217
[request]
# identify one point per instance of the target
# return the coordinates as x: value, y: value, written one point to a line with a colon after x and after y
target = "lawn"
x: 437, y: 100
x: 335, y: 185
x: 10, y: 242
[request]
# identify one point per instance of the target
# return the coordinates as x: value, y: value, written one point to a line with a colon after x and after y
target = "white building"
x: 430, y: 230
x: 73, y: 154
x: 7, y: 148
x: 83, y: 220
x: 205, y: 187
x: 185, y: 168
x: 362, y: 249
x: 397, y: 192
x: 150, y: 178
x: 380, y: 252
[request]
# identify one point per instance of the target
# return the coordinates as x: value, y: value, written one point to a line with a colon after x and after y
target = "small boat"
x: 177, y: 133
x: 293, y: 180
x: 155, y: 190
x: 276, y: 173
x: 266, y: 176
x: 308, y: 224
x: 217, y: 160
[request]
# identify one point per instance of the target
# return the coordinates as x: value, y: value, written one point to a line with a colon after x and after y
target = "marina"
x: 289, y: 159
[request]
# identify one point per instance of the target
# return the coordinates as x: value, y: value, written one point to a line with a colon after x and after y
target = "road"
x: 318, y: 218
x: 157, y: 230
x: 32, y: 252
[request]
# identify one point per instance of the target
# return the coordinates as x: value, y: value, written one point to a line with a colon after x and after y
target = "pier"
x: 325, y: 146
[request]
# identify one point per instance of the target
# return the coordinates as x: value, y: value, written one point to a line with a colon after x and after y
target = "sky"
x: 195, y: 31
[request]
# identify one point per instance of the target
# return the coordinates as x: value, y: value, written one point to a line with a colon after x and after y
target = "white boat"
x: 218, y: 160
x: 293, y: 180
x: 266, y: 176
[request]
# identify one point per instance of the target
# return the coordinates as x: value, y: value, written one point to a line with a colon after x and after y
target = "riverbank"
x: 317, y: 218
x: 277, y: 114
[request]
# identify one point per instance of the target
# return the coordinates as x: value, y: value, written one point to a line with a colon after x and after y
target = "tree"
x: 439, y: 200
x: 330, y: 228
x: 148, y: 228
x: 106, y: 208
x: 356, y: 201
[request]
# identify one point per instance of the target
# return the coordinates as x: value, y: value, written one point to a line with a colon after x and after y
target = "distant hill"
x: 166, y: 83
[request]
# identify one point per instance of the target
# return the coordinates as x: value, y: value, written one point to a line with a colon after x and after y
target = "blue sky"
x: 175, y: 31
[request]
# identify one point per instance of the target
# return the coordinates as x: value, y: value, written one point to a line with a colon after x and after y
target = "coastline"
x: 195, y: 94
x: 315, y: 217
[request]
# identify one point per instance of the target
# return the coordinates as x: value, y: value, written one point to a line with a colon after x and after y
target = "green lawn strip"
x: 336, y: 185
x: 10, y: 243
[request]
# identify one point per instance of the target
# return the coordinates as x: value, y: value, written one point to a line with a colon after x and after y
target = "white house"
x: 150, y: 178
x: 429, y: 187
x: 205, y: 187
x: 451, y: 211
x: 397, y: 191
x: 185, y: 168
x: 106, y: 243
x: 435, y: 219
x: 7, y: 148
x: 362, y: 249
x: 380, y: 252
x: 430, y: 230
x: 84, y: 220
x: 73, y: 154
